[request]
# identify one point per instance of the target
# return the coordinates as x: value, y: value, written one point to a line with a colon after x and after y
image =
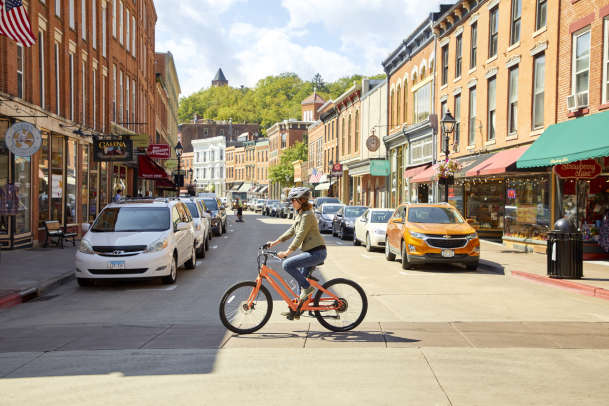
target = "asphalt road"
x: 435, y: 335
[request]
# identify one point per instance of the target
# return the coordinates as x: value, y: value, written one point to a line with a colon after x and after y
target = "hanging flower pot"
x: 445, y: 171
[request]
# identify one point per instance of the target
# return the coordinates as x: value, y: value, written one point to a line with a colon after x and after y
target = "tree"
x: 319, y: 83
x: 284, y: 171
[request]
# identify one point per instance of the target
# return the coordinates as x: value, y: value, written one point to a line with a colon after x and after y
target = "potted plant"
x: 446, y: 170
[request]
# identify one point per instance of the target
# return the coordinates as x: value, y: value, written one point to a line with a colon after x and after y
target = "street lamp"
x: 179, y: 150
x: 331, y: 165
x: 448, y: 126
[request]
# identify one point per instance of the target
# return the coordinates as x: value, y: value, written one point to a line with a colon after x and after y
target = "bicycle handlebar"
x: 265, y: 251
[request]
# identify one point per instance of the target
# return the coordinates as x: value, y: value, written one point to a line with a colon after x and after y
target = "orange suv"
x: 431, y: 233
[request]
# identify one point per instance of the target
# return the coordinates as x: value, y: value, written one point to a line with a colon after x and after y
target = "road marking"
x: 225, y: 237
x: 214, y: 247
x: 172, y: 287
x: 339, y: 243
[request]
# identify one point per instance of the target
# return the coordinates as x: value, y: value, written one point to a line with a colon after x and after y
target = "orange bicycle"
x: 339, y: 304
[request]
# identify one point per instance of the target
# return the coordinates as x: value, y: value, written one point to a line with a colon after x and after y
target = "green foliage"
x: 284, y: 171
x: 273, y: 99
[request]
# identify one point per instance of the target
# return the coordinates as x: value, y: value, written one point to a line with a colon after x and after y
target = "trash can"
x: 565, y: 252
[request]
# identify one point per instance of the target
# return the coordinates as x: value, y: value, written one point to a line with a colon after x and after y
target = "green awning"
x: 569, y: 141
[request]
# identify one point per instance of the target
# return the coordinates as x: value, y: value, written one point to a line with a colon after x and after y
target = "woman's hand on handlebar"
x: 270, y: 244
x: 282, y: 254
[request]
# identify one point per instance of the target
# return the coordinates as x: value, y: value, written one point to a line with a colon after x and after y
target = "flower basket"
x: 446, y: 170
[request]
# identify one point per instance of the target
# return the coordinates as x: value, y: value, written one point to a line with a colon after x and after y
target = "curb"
x: 28, y: 294
x: 576, y: 287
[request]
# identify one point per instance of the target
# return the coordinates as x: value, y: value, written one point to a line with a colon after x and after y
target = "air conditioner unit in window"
x: 582, y: 100
x: 571, y: 102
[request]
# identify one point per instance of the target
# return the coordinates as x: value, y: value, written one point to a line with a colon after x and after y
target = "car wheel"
x: 333, y: 231
x: 201, y: 249
x: 224, y: 228
x: 192, y: 262
x: 342, y: 233
x: 210, y: 234
x: 84, y: 282
x: 472, y: 267
x: 355, y: 240
x: 207, y: 240
x: 368, y: 244
x: 405, y: 263
x: 173, y: 273
x: 389, y: 256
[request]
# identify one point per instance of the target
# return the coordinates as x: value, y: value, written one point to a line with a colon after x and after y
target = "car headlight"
x: 420, y: 236
x: 471, y: 236
x: 85, y: 247
x: 158, y: 245
x: 349, y: 223
x: 379, y: 231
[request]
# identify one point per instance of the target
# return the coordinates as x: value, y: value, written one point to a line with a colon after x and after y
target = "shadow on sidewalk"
x: 355, y: 336
x: 485, y: 268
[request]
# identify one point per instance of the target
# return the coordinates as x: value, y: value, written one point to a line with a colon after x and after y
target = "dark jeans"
x: 299, y: 264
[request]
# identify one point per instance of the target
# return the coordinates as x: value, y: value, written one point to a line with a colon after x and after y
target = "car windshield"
x: 330, y: 208
x: 438, y: 215
x: 272, y: 202
x: 192, y: 207
x: 260, y: 201
x: 354, y: 211
x: 380, y: 216
x: 328, y: 200
x: 115, y: 219
x: 211, y: 204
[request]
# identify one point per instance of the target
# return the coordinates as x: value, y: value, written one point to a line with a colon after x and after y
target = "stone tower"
x: 219, y: 79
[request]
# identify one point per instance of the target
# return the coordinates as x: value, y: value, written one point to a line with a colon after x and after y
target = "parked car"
x: 425, y: 233
x: 218, y: 215
x: 344, y: 221
x: 206, y: 195
x: 284, y: 209
x: 202, y: 224
x: 318, y: 201
x: 274, y: 209
x: 326, y: 215
x: 251, y: 204
x: 266, y: 210
x: 137, y: 239
x: 259, y: 205
x: 371, y: 228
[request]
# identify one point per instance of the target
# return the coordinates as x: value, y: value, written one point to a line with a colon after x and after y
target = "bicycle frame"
x: 270, y: 275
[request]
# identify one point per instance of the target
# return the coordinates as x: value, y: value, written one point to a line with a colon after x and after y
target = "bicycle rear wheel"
x: 352, y: 309
x: 234, y: 311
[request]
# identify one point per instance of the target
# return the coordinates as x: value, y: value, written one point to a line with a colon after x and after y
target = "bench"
x: 55, y: 232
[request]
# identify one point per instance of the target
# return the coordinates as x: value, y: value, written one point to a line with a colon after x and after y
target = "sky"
x: 253, y: 39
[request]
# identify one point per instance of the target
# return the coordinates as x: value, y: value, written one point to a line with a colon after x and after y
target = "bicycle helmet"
x: 298, y: 193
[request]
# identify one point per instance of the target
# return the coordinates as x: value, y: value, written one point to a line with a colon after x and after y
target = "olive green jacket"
x: 306, y: 232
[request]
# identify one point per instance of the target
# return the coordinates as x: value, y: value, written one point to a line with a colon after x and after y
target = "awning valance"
x: 245, y: 187
x: 410, y: 172
x: 498, y: 163
x: 148, y: 169
x: 569, y: 141
x: 424, y: 176
x: 323, y: 186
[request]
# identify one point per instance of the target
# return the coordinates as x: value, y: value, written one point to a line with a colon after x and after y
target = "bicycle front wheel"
x: 240, y: 318
x: 348, y: 311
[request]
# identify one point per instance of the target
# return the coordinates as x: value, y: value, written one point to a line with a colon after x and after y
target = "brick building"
x: 90, y: 72
x: 497, y: 73
x: 261, y: 176
x: 348, y: 120
x: 205, y: 128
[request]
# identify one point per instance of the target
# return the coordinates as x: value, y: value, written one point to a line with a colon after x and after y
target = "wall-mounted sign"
x: 379, y: 167
x: 337, y: 169
x: 373, y: 143
x: 159, y: 151
x: 23, y: 139
x: 112, y: 150
x: 140, y: 141
x: 588, y: 169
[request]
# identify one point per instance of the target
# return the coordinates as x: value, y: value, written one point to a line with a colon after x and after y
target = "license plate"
x: 116, y: 265
x: 448, y: 253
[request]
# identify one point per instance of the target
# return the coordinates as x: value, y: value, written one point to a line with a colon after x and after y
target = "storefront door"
x: 15, y: 196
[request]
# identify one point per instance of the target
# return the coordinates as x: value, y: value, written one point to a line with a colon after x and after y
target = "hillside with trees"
x: 274, y: 98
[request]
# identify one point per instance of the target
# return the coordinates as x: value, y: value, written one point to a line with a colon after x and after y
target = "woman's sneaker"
x: 304, y: 293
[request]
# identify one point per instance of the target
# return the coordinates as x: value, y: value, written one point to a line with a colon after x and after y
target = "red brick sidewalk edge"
x: 10, y: 300
x: 565, y: 284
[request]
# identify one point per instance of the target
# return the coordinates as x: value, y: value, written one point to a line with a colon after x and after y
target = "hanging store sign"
x: 379, y: 167
x: 337, y: 170
x: 159, y: 151
x: 112, y: 150
x: 373, y: 143
x: 588, y: 169
x: 140, y: 141
x: 23, y: 139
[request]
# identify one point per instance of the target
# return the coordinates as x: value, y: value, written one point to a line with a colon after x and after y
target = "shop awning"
x: 164, y: 184
x: 470, y: 162
x: 410, y: 172
x: 569, y: 141
x: 236, y: 186
x: 498, y: 163
x: 264, y: 189
x: 425, y: 175
x: 245, y: 187
x: 148, y: 169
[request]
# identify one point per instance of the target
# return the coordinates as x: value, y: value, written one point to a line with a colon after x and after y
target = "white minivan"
x: 137, y: 239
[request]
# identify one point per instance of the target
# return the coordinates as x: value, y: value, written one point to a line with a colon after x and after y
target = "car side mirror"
x: 183, y: 226
x: 85, y: 227
x: 470, y: 221
x: 397, y: 221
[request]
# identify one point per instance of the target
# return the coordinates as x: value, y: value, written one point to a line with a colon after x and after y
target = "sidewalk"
x: 533, y: 266
x: 28, y: 273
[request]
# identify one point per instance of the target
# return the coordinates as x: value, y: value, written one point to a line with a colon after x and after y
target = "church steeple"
x: 219, y: 79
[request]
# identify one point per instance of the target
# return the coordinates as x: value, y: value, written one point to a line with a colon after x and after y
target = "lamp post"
x: 331, y: 165
x: 448, y: 126
x: 179, y: 150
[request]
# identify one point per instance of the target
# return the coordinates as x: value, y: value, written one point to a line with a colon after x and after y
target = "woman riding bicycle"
x: 306, y: 237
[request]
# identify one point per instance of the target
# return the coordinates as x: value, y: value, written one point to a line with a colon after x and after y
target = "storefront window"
x: 23, y: 185
x: 4, y: 162
x: 527, y: 207
x: 57, y: 178
x: 485, y: 206
x: 93, y: 188
x: 585, y: 203
x: 71, y: 189
x: 84, y: 191
x: 103, y: 184
x: 43, y: 181
x: 455, y: 196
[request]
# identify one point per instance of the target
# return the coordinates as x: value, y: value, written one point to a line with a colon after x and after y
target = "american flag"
x: 315, y: 176
x: 14, y: 22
